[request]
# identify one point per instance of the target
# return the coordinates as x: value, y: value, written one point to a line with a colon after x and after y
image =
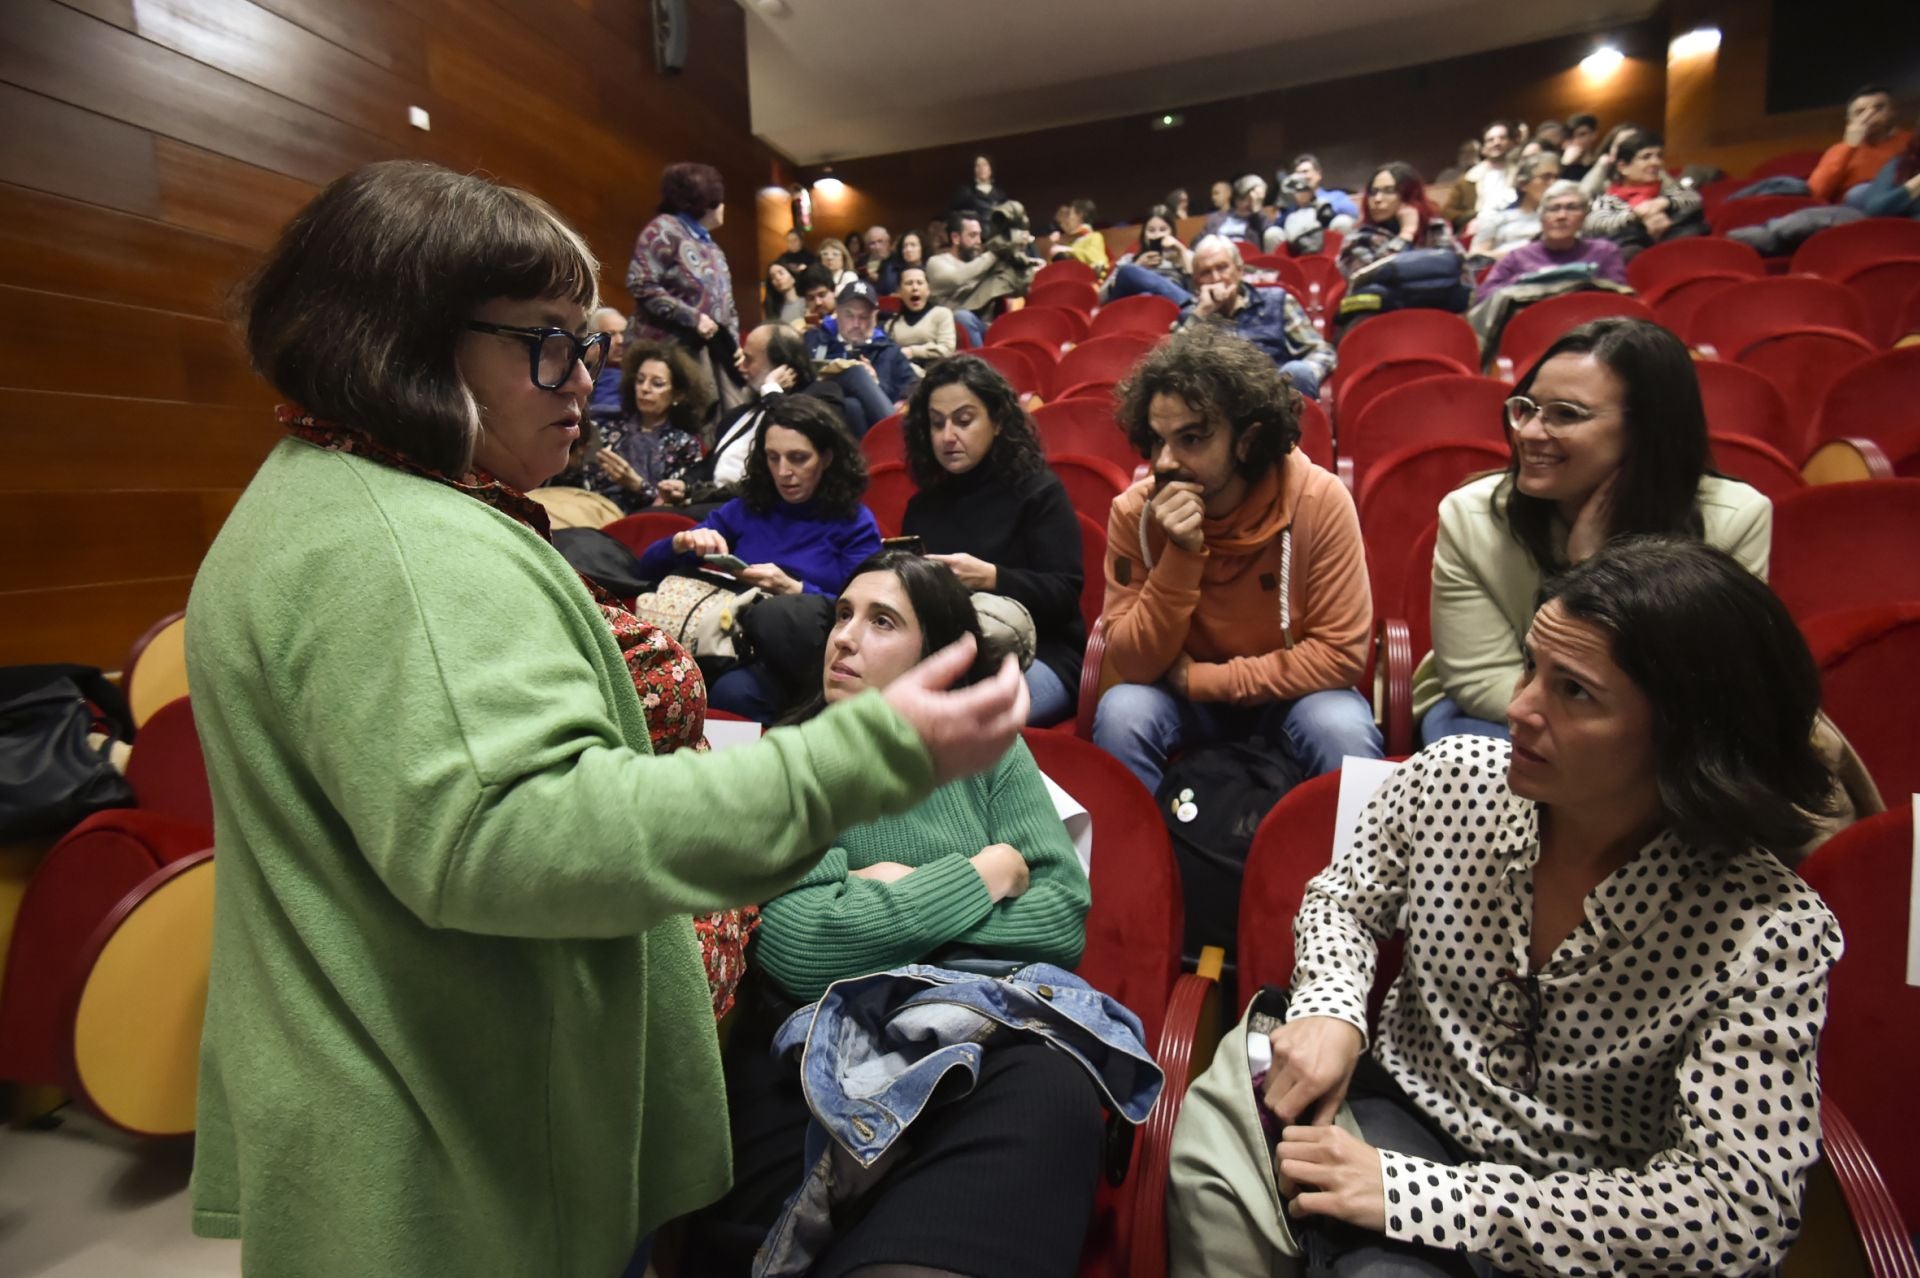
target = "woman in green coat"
x: 457, y: 1021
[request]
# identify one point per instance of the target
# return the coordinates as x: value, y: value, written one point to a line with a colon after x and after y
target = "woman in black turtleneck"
x: 989, y: 509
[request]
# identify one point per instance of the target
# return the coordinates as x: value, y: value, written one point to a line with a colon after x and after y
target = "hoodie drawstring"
x: 1286, y: 571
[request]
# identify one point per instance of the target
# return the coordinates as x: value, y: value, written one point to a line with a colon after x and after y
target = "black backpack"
x: 1213, y: 798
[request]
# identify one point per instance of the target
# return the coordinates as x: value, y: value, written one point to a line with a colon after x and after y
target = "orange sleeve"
x: 1335, y: 618
x: 1829, y: 178
x: 1146, y: 613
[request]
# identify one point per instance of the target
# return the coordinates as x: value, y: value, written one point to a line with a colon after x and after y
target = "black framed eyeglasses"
x: 1514, y: 1005
x: 551, y: 352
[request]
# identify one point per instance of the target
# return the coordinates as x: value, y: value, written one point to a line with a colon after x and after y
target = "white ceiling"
x: 835, y: 79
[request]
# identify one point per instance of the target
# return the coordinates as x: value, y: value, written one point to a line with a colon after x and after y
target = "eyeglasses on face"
x: 1514, y: 1004
x: 551, y: 352
x: 1556, y: 418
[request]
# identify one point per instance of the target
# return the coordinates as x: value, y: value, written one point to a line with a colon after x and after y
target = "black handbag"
x: 50, y: 776
x: 1213, y: 799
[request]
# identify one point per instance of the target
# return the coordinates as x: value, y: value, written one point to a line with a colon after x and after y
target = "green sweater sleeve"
x: 1047, y: 922
x: 834, y: 925
x: 463, y: 706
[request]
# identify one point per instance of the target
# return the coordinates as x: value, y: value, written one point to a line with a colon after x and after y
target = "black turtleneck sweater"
x: 1024, y: 527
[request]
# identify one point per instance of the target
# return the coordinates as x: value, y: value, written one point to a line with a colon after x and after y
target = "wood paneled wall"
x: 157, y: 146
x: 1418, y: 114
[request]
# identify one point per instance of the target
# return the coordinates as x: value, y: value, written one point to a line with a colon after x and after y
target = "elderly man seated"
x: 1271, y: 318
x: 1563, y: 212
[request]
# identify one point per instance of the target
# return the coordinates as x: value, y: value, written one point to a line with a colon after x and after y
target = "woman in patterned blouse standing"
x: 682, y: 289
x: 1599, y: 1055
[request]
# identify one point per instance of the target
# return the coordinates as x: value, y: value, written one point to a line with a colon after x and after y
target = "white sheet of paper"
x: 724, y: 734
x: 1359, y: 778
x: 1078, y: 820
x: 1913, y: 904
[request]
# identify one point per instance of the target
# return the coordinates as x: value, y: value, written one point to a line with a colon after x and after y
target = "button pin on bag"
x: 1184, y: 809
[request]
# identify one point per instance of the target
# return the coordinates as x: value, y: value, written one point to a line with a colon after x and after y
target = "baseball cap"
x: 858, y: 291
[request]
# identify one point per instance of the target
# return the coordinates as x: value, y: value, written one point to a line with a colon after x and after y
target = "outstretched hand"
x: 967, y: 730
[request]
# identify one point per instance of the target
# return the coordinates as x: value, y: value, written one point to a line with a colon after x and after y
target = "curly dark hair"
x: 843, y: 482
x: 1016, y: 451
x: 1733, y: 687
x: 692, y: 392
x: 1221, y: 376
x: 692, y: 190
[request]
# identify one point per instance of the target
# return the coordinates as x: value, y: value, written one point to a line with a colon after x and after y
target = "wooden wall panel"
x: 154, y: 148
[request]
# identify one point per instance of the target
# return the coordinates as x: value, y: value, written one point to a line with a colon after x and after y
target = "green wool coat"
x: 457, y: 1022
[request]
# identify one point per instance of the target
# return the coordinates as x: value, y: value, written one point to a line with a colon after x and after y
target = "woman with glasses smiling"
x: 1600, y: 1053
x: 457, y: 1021
x: 1608, y: 437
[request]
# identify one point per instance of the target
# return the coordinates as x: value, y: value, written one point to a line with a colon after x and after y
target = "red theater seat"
x: 1839, y: 251
x: 1740, y: 401
x: 1867, y: 659
x: 1144, y: 313
x: 1758, y: 307
x: 1877, y: 398
x: 1528, y: 334
x: 1052, y: 325
x: 1656, y: 269
x: 1401, y: 495
x: 1105, y: 359
x: 637, y: 532
x: 889, y: 489
x: 1844, y: 546
x: 1447, y: 407
x: 1091, y: 483
x: 1753, y: 462
x: 1087, y: 427
x: 1883, y: 288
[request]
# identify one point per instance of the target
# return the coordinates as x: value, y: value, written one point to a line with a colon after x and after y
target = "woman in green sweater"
x: 457, y: 1022
x: 1000, y: 1181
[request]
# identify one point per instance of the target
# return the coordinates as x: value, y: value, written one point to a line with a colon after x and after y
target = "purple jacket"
x: 1528, y: 258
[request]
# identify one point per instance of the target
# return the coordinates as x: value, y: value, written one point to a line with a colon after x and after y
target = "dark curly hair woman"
x: 798, y: 525
x: 989, y: 509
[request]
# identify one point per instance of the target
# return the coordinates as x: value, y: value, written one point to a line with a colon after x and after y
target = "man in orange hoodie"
x: 1237, y: 601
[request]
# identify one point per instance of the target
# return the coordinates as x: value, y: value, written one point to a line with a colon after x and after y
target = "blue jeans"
x: 1856, y: 196
x: 1306, y: 378
x: 1447, y: 719
x: 1132, y: 281
x: 1141, y: 724
x: 1052, y: 699
x: 749, y: 691
x: 975, y: 326
x: 866, y: 402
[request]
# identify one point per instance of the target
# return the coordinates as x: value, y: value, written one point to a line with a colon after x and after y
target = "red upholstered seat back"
x: 1868, y: 658
x: 1842, y: 546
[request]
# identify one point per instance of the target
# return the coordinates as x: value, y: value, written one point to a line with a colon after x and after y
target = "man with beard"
x: 963, y: 278
x: 1237, y: 603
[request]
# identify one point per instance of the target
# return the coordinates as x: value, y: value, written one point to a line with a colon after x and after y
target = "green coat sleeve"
x: 482, y: 741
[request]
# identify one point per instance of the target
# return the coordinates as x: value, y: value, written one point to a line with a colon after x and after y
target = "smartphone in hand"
x: 726, y: 563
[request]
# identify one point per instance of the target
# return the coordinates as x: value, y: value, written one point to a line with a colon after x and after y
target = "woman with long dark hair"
x: 1397, y: 216
x: 999, y: 1180
x: 990, y: 510
x: 1608, y: 439
x: 780, y: 301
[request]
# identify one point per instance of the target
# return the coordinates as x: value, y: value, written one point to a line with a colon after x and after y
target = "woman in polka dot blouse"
x: 1599, y: 1054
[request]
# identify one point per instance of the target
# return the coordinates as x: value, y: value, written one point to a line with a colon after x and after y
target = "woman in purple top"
x: 1563, y: 211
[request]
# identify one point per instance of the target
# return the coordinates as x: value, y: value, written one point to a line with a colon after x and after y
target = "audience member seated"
x: 646, y: 451
x: 838, y: 265
x: 1220, y: 197
x: 1895, y: 190
x: 1000, y: 1178
x: 979, y: 196
x: 965, y: 279
x: 1243, y: 219
x: 1493, y: 185
x: 909, y: 250
x: 1303, y: 228
x: 1563, y: 215
x: 937, y: 235
x: 605, y: 400
x: 1599, y: 1054
x: 781, y: 302
x: 1498, y: 233
x: 1399, y: 216
x: 871, y: 370
x: 1270, y: 318
x: 775, y: 362
x: 795, y: 255
x: 1576, y: 155
x: 923, y: 332
x: 989, y: 509
x: 681, y: 286
x: 1870, y: 141
x: 1237, y: 601
x: 816, y: 290
x: 1550, y: 136
x: 1176, y: 203
x: 1307, y: 165
x: 1608, y: 439
x: 798, y: 523
x: 1159, y: 264
x: 1078, y: 239
x: 879, y: 256
x: 1636, y: 202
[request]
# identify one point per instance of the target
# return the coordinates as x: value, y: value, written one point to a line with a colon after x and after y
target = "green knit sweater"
x: 457, y: 1022
x: 833, y: 925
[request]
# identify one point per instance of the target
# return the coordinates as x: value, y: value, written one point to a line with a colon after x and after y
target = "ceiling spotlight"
x: 1694, y: 44
x: 1603, y: 61
x: 829, y: 186
x: 1167, y: 120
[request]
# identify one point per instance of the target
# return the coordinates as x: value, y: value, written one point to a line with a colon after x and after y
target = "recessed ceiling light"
x: 1603, y: 61
x: 1695, y: 43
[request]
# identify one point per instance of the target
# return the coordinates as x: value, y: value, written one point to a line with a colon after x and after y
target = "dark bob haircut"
x: 1224, y: 378
x: 692, y: 392
x: 1016, y: 451
x: 844, y: 479
x: 941, y: 605
x: 358, y: 309
x: 1665, y: 453
x: 692, y: 190
x: 1733, y: 687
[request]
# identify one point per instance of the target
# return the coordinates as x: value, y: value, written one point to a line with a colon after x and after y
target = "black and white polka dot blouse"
x: 1677, y: 1105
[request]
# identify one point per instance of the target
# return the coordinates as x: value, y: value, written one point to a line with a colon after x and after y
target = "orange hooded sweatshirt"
x: 1223, y: 606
